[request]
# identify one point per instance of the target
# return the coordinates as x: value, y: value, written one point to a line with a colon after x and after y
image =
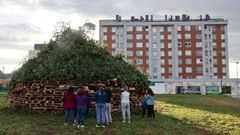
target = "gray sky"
x: 25, y: 22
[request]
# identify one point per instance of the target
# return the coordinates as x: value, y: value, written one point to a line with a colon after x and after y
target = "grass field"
x: 175, y: 115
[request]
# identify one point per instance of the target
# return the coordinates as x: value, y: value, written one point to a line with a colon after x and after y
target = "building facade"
x: 170, y: 48
x: 34, y: 53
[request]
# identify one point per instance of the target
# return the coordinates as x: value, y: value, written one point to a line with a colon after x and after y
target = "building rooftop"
x: 171, y: 18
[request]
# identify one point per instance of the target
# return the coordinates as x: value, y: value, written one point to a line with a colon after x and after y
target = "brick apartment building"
x: 172, y: 47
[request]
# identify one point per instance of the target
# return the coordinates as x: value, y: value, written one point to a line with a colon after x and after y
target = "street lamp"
x: 237, y: 76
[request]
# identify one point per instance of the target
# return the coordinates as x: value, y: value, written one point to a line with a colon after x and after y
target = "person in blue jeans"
x: 101, y: 98
x: 81, y: 103
x: 69, y: 105
x: 144, y: 103
x: 150, y: 104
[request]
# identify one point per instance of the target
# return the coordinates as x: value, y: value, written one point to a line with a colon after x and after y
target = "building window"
x: 154, y: 45
x: 113, y: 45
x: 154, y: 29
x: 180, y: 69
x: 129, y: 28
x: 188, y: 61
x: 169, y: 45
x: 139, y: 28
x: 162, y: 37
x: 169, y: 53
x: 146, y: 36
x: 179, y: 61
x: 170, y: 61
x: 188, y: 69
x: 162, y: 45
x: 105, y: 37
x: 213, y: 28
x: 223, y: 44
x: 154, y: 62
x: 214, y: 44
x: 223, y: 28
x: 179, y: 53
x: 113, y: 29
x: 188, y: 53
x: 113, y: 37
x: 199, y: 53
x: 199, y: 61
x: 169, y: 37
x: 198, y: 36
x: 187, y: 28
x: 162, y: 70
x: 155, y: 70
x: 129, y: 45
x: 161, y: 29
x: 139, y: 45
x: 139, y: 61
x: 179, y: 44
x: 215, y: 70
x: 154, y: 37
x: 169, y: 28
x: 162, y: 53
x: 146, y: 45
x: 223, y: 61
x: 188, y: 44
x: 155, y: 77
x: 104, y: 29
x: 214, y: 36
x: 199, y: 69
x: 162, y: 61
x: 179, y: 28
x: 139, y: 36
x: 187, y: 36
x: 222, y: 36
x: 179, y: 36
x: 224, y: 70
x: 139, y: 53
x: 155, y: 53
x: 198, y: 44
x: 198, y: 28
x: 129, y: 53
x: 129, y: 36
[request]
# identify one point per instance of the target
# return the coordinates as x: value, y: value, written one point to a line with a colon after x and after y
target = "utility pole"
x: 237, y: 76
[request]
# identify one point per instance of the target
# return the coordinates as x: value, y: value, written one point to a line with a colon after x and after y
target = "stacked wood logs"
x: 41, y: 96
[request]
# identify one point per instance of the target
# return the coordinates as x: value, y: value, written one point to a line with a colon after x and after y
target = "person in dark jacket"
x: 108, y: 106
x: 86, y: 92
x: 150, y: 104
x: 100, y: 97
x: 144, y: 103
x: 81, y: 103
x: 69, y: 105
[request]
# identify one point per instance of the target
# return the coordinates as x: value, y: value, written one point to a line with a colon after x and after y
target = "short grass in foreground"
x: 175, y: 114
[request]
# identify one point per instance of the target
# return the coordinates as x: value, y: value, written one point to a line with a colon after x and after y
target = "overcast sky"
x: 25, y: 22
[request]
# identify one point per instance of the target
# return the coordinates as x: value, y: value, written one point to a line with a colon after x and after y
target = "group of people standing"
x: 148, y: 103
x: 77, y: 104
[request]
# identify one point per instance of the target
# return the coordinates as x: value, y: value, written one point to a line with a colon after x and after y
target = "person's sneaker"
x: 97, y: 125
x: 65, y: 124
x: 103, y: 125
x: 78, y: 126
x: 129, y: 121
x: 123, y: 121
x: 82, y: 126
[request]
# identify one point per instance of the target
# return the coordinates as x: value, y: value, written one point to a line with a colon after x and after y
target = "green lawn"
x: 175, y: 114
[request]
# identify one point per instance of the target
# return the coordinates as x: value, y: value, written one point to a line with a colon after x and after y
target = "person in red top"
x: 69, y: 104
